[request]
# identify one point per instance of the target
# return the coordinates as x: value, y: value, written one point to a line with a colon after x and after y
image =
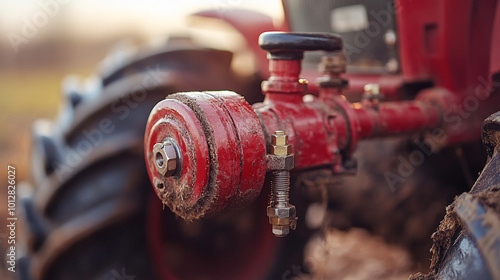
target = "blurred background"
x: 42, y: 41
x: 370, y: 230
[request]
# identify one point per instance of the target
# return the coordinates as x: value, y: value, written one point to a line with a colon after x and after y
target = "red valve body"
x: 322, y: 131
x: 221, y: 149
x: 222, y: 142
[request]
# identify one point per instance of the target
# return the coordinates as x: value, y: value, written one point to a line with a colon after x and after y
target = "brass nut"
x: 276, y: 162
x: 280, y: 150
x: 279, y: 144
x: 279, y: 138
x: 165, y: 158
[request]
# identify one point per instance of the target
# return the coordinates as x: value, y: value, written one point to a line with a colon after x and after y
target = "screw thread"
x: 280, y: 188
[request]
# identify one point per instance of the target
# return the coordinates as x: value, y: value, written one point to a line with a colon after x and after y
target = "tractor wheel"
x: 93, y: 213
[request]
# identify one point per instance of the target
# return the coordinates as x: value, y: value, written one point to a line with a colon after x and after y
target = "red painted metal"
x: 250, y: 262
x: 220, y: 131
x: 284, y: 77
x: 323, y: 129
x: 448, y: 42
x: 390, y: 85
x: 495, y: 44
x: 209, y: 129
x: 174, y: 119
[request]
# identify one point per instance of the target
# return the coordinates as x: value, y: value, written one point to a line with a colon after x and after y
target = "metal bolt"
x: 280, y: 212
x: 332, y: 65
x: 165, y: 157
x: 279, y: 144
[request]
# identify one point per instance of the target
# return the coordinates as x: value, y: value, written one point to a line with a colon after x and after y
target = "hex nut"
x: 281, y: 212
x: 279, y: 144
x: 281, y: 231
x: 280, y: 150
x: 279, y: 138
x: 275, y: 162
x: 165, y: 158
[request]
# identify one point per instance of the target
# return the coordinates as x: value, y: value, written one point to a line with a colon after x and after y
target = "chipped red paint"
x: 221, y: 147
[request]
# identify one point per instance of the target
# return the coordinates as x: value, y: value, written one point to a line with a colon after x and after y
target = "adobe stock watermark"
x: 31, y: 25
x: 453, y: 118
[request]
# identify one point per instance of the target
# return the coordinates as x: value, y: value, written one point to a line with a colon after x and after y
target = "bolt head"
x: 165, y: 157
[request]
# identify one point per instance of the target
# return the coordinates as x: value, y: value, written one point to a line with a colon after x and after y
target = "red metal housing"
x: 325, y: 127
x: 221, y: 147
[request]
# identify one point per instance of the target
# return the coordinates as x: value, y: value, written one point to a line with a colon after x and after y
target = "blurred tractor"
x: 372, y: 110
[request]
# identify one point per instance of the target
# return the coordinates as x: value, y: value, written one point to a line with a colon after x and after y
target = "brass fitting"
x: 279, y: 144
x: 372, y: 96
x: 280, y: 212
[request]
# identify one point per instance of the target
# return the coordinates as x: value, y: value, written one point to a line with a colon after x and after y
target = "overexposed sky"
x: 97, y: 18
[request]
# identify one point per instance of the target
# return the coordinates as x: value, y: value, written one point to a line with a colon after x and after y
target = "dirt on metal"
x: 490, y: 199
x: 210, y: 193
x: 443, y: 237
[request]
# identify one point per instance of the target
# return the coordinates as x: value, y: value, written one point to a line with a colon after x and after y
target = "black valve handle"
x: 291, y: 46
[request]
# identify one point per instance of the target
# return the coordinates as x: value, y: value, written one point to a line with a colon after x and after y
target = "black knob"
x: 291, y: 46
